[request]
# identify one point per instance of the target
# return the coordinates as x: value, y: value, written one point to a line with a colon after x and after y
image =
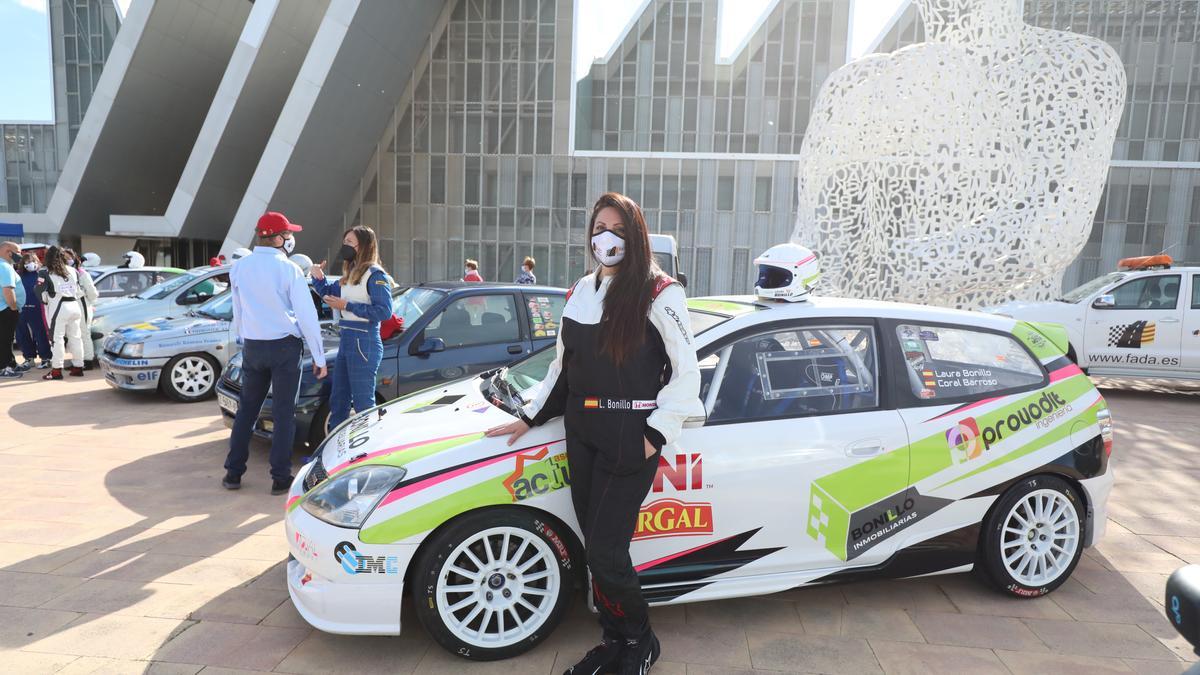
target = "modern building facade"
x: 495, y: 152
x: 1152, y: 200
x: 82, y: 33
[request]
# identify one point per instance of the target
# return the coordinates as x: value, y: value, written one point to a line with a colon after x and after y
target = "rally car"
x: 182, y: 357
x: 171, y: 298
x: 1142, y: 320
x: 842, y: 439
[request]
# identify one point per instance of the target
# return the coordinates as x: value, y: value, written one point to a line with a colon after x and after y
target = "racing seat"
x: 741, y: 395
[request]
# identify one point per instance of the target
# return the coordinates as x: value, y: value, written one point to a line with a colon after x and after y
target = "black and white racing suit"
x: 608, y: 411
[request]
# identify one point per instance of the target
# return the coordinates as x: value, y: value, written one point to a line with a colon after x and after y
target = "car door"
x: 477, y: 332
x: 799, y: 456
x: 1190, y: 338
x: 543, y: 311
x: 1140, y: 329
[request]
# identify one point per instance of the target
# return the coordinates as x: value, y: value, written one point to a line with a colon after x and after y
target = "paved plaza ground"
x: 120, y: 553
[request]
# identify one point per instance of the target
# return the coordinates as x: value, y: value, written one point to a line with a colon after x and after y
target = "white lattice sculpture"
x: 965, y: 170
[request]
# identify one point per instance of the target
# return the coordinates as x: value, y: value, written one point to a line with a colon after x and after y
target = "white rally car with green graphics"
x: 843, y: 439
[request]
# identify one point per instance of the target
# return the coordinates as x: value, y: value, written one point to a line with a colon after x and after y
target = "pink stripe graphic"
x: 655, y: 563
x: 397, y: 448
x: 407, y: 490
x: 291, y: 500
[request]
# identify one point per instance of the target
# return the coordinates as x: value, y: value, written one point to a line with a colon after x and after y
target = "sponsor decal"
x: 1027, y: 592
x: 537, y: 473
x: 928, y: 335
x: 1043, y: 412
x: 306, y: 578
x: 686, y: 473
x: 148, y: 375
x: 868, y: 527
x: 539, y: 333
x: 355, y: 434
x: 673, y: 518
x: 1131, y: 335
x: 354, y: 562
x: 963, y: 439
x: 1134, y: 359
x: 130, y: 362
x: 305, y: 546
x: 564, y: 556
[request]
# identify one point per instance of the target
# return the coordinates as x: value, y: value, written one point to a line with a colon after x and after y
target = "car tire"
x: 1033, y: 537
x: 526, y: 556
x: 190, y: 377
x: 319, y: 427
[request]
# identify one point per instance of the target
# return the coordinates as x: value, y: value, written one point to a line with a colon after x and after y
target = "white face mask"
x: 289, y: 245
x: 70, y: 263
x: 608, y: 247
x: 31, y: 267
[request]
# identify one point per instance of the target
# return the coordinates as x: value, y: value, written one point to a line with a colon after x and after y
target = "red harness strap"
x: 661, y: 285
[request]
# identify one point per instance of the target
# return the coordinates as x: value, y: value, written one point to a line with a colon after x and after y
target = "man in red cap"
x: 273, y: 317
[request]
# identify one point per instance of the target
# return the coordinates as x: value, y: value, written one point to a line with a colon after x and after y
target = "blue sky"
x: 26, y: 91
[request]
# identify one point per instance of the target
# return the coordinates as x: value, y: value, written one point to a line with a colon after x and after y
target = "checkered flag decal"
x: 818, y: 520
x: 1131, y: 335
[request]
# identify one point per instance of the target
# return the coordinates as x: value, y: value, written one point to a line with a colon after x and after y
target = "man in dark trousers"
x: 273, y: 316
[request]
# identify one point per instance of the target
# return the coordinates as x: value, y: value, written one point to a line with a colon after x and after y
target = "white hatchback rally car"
x: 842, y: 439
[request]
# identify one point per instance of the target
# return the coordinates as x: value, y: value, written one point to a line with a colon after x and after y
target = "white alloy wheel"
x: 498, y: 587
x: 1040, y: 538
x: 190, y: 377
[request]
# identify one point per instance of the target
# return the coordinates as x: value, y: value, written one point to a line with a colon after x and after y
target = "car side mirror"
x: 682, y: 279
x: 192, y: 299
x: 431, y: 346
x: 695, y: 421
x: 1104, y: 301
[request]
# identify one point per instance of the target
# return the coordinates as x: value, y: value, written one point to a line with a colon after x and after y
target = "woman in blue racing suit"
x: 31, y: 325
x: 364, y: 297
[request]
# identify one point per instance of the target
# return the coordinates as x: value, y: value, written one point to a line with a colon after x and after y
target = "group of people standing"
x: 47, y: 308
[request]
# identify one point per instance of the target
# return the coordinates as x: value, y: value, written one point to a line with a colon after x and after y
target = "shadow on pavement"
x: 96, y: 408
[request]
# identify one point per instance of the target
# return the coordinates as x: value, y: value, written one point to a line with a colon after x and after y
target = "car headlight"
x: 347, y: 500
x: 133, y: 350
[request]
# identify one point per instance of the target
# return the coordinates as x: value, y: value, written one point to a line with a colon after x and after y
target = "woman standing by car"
x: 87, y: 305
x: 364, y: 297
x: 31, y: 325
x: 625, y: 377
x: 61, y: 295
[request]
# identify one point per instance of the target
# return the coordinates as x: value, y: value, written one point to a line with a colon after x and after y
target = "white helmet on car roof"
x: 302, y: 261
x: 91, y: 260
x: 786, y: 272
x: 239, y: 253
x: 133, y: 260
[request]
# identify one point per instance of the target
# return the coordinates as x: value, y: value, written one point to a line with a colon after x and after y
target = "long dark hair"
x: 56, y: 261
x: 367, y: 255
x: 629, y: 294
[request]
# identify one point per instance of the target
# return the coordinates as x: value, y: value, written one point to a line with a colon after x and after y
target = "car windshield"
x: 665, y: 261
x: 160, y: 291
x: 1086, y: 290
x: 412, y: 303
x: 220, y: 307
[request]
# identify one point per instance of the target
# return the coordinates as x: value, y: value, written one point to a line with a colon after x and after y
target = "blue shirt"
x: 9, y: 279
x: 271, y: 300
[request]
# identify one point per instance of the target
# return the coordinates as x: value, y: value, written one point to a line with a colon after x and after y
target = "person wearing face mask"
x: 61, y: 295
x: 32, y: 335
x: 363, y: 296
x: 87, y: 303
x: 526, y: 277
x: 273, y: 318
x: 471, y: 271
x: 624, y: 378
x: 12, y: 298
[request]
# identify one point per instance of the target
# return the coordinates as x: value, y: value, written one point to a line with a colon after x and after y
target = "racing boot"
x: 603, y: 658
x: 76, y: 371
x: 640, y: 654
x: 54, y: 374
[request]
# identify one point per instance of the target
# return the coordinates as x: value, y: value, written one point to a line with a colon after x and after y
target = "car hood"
x: 419, y: 431
x: 163, y: 329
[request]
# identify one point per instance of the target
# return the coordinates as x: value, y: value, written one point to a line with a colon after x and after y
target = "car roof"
x: 455, y: 286
x: 821, y: 306
x: 146, y: 268
x: 1160, y: 270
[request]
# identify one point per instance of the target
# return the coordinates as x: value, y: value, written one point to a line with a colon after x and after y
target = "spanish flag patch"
x: 591, y: 402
